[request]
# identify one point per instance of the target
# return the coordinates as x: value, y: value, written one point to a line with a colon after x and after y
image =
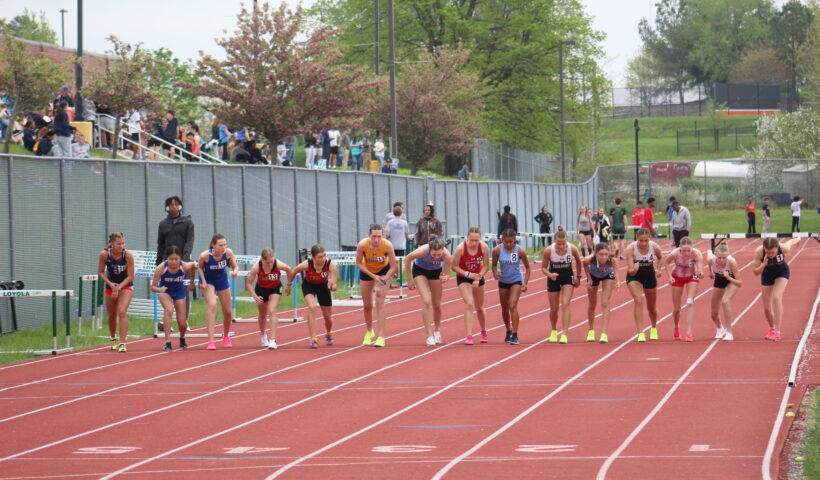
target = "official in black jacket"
x: 175, y: 229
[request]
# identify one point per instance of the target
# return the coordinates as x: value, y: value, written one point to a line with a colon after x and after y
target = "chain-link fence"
x: 56, y: 213
x: 689, y: 142
x: 652, y: 101
x: 507, y: 163
x: 713, y: 183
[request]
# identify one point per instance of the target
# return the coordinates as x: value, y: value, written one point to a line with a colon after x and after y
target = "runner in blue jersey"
x: 508, y: 257
x: 213, y: 276
x: 169, y: 277
x: 431, y: 265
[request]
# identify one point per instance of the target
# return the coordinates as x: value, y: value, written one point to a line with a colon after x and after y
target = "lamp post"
x: 561, y: 44
x: 637, y: 164
x: 78, y: 68
x: 378, y: 34
x: 394, y: 136
x: 63, y: 11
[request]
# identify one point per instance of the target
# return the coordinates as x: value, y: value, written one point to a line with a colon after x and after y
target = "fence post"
x: 705, y: 192
x: 697, y: 134
x: 677, y: 142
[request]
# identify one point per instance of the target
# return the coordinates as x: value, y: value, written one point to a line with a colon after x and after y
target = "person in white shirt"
x: 796, y: 213
x: 378, y: 149
x: 134, y: 125
x: 334, y: 136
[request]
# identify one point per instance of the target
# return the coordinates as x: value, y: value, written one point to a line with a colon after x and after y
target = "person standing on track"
x: 637, y: 219
x: 602, y: 269
x: 619, y: 223
x: 319, y: 281
x: 774, y: 276
x: 795, y: 206
x: 510, y: 281
x: 687, y: 272
x: 213, y: 280
x: 750, y: 215
x: 506, y: 220
x: 169, y: 283
x: 376, y: 260
x: 643, y: 260
x: 557, y: 266
x: 176, y: 229
x: 767, y: 214
x: 267, y: 292
x: 723, y: 269
x: 583, y: 225
x: 649, y: 217
x: 602, y: 227
x: 116, y: 268
x: 430, y: 268
x: 544, y: 221
x: 681, y: 222
x: 470, y: 262
x: 428, y: 227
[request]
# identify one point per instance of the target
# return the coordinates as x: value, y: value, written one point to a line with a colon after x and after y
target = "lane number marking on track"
x: 252, y: 450
x: 706, y: 448
x: 105, y: 450
x: 403, y: 448
x: 546, y: 448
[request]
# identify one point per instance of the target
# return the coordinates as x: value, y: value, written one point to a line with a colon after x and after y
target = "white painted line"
x: 798, y: 354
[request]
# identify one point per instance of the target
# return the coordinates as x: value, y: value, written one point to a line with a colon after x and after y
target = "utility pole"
x: 394, y: 136
x: 63, y: 11
x: 376, y: 40
x: 78, y: 69
x: 637, y: 164
x: 561, y: 44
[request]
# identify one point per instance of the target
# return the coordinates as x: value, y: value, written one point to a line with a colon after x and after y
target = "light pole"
x: 63, y: 11
x: 561, y: 44
x: 78, y: 68
x: 394, y: 136
x: 378, y: 34
x: 637, y: 164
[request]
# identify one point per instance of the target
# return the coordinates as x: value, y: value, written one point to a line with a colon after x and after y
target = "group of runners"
x: 430, y: 265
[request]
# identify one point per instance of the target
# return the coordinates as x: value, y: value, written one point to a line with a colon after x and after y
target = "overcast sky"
x: 187, y: 26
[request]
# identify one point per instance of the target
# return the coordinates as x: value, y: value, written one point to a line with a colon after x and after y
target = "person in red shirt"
x: 637, y: 216
x: 750, y: 215
x: 649, y: 217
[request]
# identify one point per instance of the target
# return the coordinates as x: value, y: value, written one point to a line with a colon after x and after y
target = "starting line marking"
x: 706, y: 448
x: 403, y: 448
x: 252, y: 450
x: 106, y: 450
x: 546, y: 448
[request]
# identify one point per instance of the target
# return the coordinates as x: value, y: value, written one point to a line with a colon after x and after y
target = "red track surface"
x: 623, y: 410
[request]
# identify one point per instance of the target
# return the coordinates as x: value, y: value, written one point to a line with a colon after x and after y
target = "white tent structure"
x: 721, y: 170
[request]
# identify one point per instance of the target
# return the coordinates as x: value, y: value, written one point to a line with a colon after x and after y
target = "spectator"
x: 45, y: 146
x: 155, y: 140
x: 240, y: 154
x: 795, y: 206
x: 64, y: 95
x: 390, y: 214
x: 81, y: 148
x: 256, y: 155
x: 544, y: 221
x: 464, y: 174
x: 175, y: 230
x: 618, y: 216
x: 398, y: 232
x: 17, y: 130
x: 42, y: 119
x: 681, y: 222
x: 106, y: 125
x: 637, y: 217
x: 224, y: 138
x: 290, y: 150
x: 333, y: 158
x: 378, y: 149
x: 170, y: 133
x: 386, y: 168
x: 345, y: 150
x: 5, y: 118
x: 134, y: 124
x: 507, y: 220
x: 670, y: 212
x: 64, y: 131
x: 282, y: 154
x: 325, y: 145
x: 428, y: 227
x: 29, y: 136
x: 356, y: 153
x: 750, y: 215
x: 310, y: 149
x: 601, y: 227
x: 649, y: 217
x: 192, y: 148
x: 767, y: 214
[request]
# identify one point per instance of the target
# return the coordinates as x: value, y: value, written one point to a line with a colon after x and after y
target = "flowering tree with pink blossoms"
x: 278, y: 84
x: 438, y: 107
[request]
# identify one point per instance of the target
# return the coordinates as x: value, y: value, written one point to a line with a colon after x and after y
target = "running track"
x: 620, y: 411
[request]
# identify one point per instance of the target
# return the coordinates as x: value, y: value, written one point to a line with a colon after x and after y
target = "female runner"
x: 583, y: 225
x: 557, y: 266
x: 774, y: 276
x: 470, y: 264
x: 510, y: 281
x: 602, y: 269
x: 643, y: 262
x: 116, y: 269
x: 431, y: 265
x: 213, y: 280
x: 723, y: 269
x: 169, y: 283
x: 320, y: 280
x: 267, y: 273
x: 376, y: 260
x: 685, y: 276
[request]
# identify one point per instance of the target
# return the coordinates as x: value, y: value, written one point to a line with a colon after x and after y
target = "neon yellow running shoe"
x: 641, y: 337
x: 368, y: 338
x: 121, y: 348
x: 604, y: 338
x: 591, y: 335
x: 653, y: 333
x: 563, y: 339
x: 113, y: 344
x: 554, y: 336
x: 379, y: 342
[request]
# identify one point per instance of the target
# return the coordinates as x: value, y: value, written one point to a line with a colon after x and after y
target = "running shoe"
x: 484, y: 337
x: 379, y: 342
x: 121, y: 348
x: 720, y: 332
x: 728, y: 337
x: 468, y: 340
x: 508, y: 337
x: 677, y: 334
x: 183, y: 344
x: 563, y: 339
x: 113, y: 344
x: 653, y: 333
x: 167, y: 347
x: 514, y: 339
x: 641, y: 337
x: 591, y: 335
x: 272, y: 344
x: 769, y: 334
x: 437, y: 336
x: 776, y: 336
x: 313, y: 343
x: 554, y: 336
x: 431, y: 341
x: 328, y: 339
x: 264, y: 340
x: 689, y: 337
x: 368, y: 339
x: 604, y: 338
x: 226, y: 340
x: 211, y: 345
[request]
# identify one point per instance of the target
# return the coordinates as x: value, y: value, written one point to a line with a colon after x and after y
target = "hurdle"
x: 293, y: 292
x: 95, y: 312
x: 721, y: 236
x: 66, y: 294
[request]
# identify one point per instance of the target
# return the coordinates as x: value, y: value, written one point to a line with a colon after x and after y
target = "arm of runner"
x: 522, y: 254
x: 203, y: 258
x: 331, y: 283
x: 155, y: 281
x: 232, y: 262
x: 737, y: 280
x: 496, y: 253
x: 249, y: 283
x: 760, y: 261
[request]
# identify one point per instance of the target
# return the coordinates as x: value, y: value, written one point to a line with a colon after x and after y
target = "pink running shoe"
x: 677, y: 334
x: 484, y: 336
x: 211, y: 345
x: 468, y: 340
x: 689, y: 337
x: 775, y: 336
x: 227, y: 341
x: 769, y: 334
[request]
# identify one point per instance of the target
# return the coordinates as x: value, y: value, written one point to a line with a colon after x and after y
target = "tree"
x: 172, y: 74
x: 29, y: 80
x: 760, y: 65
x: 29, y: 27
x: 278, y: 84
x: 809, y: 60
x: 123, y: 84
x: 438, y: 107
x: 669, y: 43
x: 790, y: 27
x: 644, y: 75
